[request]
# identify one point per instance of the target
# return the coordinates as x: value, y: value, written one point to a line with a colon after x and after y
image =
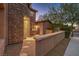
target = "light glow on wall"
x: 36, y: 27
x: 25, y: 17
x: 26, y: 26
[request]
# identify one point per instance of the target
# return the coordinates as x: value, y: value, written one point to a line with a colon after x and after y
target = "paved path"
x: 26, y: 48
x: 73, y: 47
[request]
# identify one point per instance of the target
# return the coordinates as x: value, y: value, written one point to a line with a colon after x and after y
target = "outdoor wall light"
x: 36, y: 27
x: 25, y: 17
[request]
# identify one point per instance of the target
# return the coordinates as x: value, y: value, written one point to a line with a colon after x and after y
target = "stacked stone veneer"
x: 16, y: 12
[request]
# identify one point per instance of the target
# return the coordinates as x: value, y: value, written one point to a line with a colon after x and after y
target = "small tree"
x: 66, y: 13
x: 54, y: 17
x: 71, y: 11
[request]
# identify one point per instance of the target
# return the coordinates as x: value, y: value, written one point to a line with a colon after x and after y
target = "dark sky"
x: 43, y: 7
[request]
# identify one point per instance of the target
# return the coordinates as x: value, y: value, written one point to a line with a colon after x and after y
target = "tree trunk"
x: 72, y: 29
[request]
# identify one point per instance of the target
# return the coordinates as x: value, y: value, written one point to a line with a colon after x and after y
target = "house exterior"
x: 43, y: 27
x: 18, y: 21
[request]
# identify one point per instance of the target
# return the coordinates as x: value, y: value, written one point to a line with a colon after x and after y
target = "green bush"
x: 67, y: 30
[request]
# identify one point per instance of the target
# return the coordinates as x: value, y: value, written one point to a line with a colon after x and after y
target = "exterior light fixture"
x: 36, y: 27
x: 25, y: 17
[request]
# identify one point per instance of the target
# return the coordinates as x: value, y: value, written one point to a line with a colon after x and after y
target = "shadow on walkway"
x: 13, y: 50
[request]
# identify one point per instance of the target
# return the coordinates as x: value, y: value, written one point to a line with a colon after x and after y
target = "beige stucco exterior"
x: 3, y: 27
x: 2, y: 23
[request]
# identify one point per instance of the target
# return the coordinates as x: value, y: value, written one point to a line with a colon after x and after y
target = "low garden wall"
x: 40, y: 45
x: 45, y: 43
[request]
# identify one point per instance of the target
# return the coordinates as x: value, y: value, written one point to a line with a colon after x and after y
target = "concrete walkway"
x: 73, y: 47
x: 26, y: 48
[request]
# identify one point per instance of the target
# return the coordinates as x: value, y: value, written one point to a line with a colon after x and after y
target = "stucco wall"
x: 2, y: 43
x: 1, y: 24
x: 41, y: 45
x: 2, y: 30
x: 2, y: 46
x: 47, y: 42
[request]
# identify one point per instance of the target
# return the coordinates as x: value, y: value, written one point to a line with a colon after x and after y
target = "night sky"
x: 43, y: 7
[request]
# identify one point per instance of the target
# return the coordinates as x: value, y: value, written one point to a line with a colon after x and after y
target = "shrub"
x: 67, y: 30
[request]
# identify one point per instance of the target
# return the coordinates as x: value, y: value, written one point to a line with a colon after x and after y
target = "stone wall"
x: 15, y: 23
x: 16, y: 12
